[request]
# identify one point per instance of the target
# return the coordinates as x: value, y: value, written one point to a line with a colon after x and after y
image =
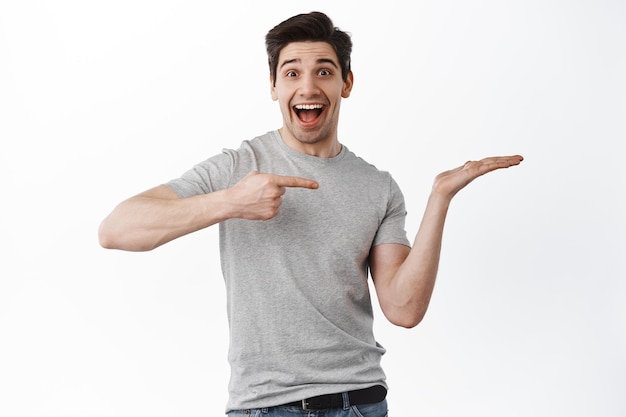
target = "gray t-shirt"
x: 299, y: 308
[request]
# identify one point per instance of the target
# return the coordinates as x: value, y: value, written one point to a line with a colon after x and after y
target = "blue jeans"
x: 365, y: 410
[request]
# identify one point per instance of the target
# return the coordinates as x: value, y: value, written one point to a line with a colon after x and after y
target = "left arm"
x: 404, y: 277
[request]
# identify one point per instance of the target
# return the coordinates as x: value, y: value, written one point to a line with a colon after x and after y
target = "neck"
x: 326, y: 148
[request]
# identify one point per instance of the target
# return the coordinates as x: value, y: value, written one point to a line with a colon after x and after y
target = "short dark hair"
x: 315, y: 27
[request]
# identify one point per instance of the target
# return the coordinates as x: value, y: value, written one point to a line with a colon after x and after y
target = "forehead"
x: 306, y: 51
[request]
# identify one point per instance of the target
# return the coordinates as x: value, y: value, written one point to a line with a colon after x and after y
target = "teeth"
x: 308, y: 106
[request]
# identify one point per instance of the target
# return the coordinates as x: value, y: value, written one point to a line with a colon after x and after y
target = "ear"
x: 273, y: 89
x: 347, y: 85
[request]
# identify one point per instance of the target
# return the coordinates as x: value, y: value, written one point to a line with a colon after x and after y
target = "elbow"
x: 407, y: 319
x: 407, y: 323
x: 110, y: 237
x: 107, y: 238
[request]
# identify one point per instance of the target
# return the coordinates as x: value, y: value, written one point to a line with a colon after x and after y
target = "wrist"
x: 439, y: 199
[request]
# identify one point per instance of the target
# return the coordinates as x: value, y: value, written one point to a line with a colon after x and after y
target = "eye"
x: 324, y: 72
x: 290, y: 74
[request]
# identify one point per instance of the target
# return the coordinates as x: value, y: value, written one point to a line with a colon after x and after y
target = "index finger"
x: 287, y: 181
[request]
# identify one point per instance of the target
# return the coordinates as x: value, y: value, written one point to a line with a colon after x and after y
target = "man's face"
x: 309, y: 89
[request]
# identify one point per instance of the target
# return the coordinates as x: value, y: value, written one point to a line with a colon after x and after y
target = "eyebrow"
x: 319, y: 61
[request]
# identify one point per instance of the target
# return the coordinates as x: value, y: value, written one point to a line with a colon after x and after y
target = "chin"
x: 309, y: 139
x: 311, y: 136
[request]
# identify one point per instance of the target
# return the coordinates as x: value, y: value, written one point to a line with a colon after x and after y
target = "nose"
x: 308, y: 86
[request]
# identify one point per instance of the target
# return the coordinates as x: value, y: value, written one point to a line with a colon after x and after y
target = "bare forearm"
x: 420, y: 268
x: 146, y: 221
x: 405, y: 294
x: 157, y: 216
x: 416, y: 277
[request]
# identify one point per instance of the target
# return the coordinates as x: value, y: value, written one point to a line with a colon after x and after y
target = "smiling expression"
x: 309, y: 89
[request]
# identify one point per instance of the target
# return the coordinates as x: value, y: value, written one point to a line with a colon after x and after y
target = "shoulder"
x: 360, y: 166
x: 266, y: 140
x: 251, y: 148
x: 252, y: 155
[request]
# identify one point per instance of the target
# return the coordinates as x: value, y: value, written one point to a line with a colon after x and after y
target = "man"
x: 302, y: 221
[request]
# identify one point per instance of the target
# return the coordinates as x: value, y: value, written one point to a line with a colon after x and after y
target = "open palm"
x: 448, y: 183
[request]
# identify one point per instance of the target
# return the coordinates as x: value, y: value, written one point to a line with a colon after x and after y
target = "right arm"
x: 157, y: 216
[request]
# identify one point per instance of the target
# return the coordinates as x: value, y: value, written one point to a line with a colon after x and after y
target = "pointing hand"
x: 258, y: 196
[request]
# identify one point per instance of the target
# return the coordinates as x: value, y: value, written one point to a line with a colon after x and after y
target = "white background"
x: 102, y: 100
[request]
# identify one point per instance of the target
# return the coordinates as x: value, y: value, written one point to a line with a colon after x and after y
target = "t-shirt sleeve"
x: 205, y: 177
x: 392, y: 228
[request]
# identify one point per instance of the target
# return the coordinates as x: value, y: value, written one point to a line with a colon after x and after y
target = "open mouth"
x: 308, y: 113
